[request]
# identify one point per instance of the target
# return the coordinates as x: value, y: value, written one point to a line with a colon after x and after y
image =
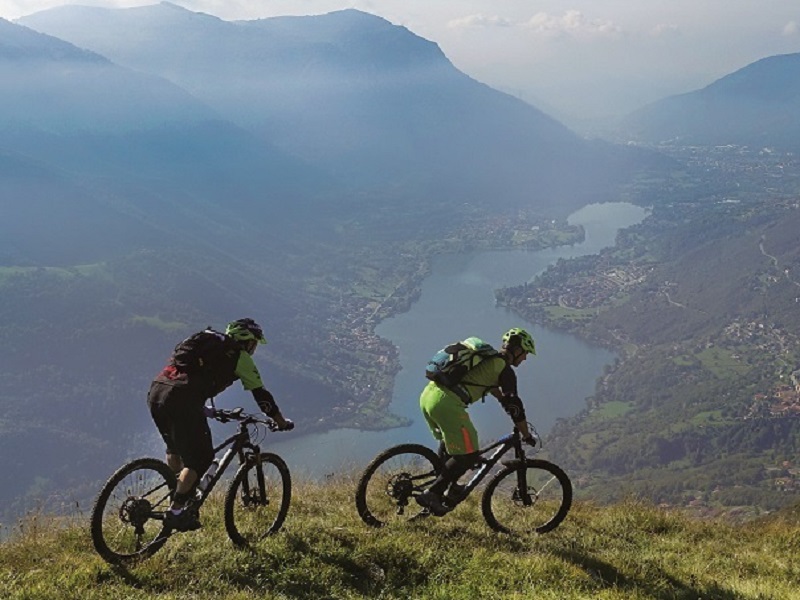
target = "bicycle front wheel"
x: 530, y: 495
x: 127, y: 522
x: 257, y: 499
x: 389, y: 484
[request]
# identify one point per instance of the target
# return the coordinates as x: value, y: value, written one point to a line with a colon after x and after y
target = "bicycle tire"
x: 127, y: 523
x: 550, y: 490
x: 390, y: 482
x: 257, y: 500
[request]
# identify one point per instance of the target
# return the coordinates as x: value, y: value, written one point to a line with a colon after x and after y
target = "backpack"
x: 450, y: 364
x: 208, y: 353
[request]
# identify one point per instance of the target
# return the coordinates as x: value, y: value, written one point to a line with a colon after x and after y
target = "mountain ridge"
x: 366, y: 101
x: 757, y: 105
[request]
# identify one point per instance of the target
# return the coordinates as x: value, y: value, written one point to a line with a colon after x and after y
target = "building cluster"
x: 590, y: 291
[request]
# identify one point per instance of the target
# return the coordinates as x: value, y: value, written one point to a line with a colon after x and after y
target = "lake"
x: 457, y: 301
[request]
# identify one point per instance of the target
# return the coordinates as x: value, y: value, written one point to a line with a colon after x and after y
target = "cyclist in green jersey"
x: 201, y: 367
x: 445, y: 412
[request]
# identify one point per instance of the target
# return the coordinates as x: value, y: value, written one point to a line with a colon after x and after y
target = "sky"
x: 579, y: 60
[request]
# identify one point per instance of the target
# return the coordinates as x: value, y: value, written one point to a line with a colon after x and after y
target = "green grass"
x: 721, y: 362
x: 629, y: 551
x: 159, y: 323
x: 613, y: 409
x: 62, y: 272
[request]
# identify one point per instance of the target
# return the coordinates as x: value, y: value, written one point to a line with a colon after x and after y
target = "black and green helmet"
x: 519, y: 338
x: 244, y: 330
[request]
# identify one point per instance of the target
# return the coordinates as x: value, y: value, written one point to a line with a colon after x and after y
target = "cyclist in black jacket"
x: 177, y: 399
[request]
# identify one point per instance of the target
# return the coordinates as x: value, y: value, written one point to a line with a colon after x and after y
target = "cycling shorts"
x: 178, y: 415
x: 447, y: 418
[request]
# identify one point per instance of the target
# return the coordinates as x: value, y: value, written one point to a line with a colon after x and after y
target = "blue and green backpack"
x: 449, y: 366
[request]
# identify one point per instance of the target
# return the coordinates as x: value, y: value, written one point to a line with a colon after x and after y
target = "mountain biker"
x: 177, y: 404
x: 445, y: 413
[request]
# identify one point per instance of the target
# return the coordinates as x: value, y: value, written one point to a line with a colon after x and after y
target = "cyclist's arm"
x: 247, y: 372
x: 506, y: 393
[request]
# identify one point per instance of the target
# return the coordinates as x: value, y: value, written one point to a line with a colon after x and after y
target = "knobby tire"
x: 548, y: 489
x: 257, y: 499
x: 127, y: 517
x: 387, y: 488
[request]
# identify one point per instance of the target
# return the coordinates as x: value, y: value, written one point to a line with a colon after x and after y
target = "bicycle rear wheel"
x: 257, y: 499
x: 531, y: 495
x: 127, y: 521
x: 389, y: 484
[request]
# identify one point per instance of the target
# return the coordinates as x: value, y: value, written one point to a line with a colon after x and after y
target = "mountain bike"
x: 127, y: 522
x: 523, y: 495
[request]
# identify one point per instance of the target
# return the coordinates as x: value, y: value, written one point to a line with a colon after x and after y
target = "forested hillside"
x: 701, y: 301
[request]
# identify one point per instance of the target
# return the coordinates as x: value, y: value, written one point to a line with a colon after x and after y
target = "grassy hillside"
x: 626, y: 551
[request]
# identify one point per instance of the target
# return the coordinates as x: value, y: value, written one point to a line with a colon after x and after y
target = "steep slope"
x: 622, y: 552
x: 758, y: 105
x: 365, y: 100
x: 53, y: 86
x: 76, y: 111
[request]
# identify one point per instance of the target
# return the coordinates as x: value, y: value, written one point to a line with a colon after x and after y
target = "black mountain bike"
x: 127, y: 522
x: 525, y: 495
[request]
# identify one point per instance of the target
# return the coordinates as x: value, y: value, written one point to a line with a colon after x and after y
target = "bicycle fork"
x: 521, y: 493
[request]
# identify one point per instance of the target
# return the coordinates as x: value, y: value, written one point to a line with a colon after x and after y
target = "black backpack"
x: 209, y: 354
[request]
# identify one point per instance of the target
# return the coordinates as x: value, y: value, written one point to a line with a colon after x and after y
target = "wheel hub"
x: 400, y: 487
x: 135, y: 511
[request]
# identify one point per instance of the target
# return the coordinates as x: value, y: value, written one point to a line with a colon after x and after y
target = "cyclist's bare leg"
x: 175, y: 462
x: 186, y: 480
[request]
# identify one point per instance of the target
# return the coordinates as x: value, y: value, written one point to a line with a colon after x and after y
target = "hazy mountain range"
x: 368, y: 102
x: 107, y: 149
x: 758, y: 105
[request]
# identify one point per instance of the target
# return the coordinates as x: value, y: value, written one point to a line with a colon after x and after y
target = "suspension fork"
x: 254, y: 457
x: 522, y: 474
x: 260, y: 479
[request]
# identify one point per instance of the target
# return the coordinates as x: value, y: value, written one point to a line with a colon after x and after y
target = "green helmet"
x: 519, y: 338
x: 244, y: 330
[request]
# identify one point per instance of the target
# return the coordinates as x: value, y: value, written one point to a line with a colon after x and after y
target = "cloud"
x: 791, y: 28
x: 479, y: 21
x: 572, y: 22
x: 664, y: 30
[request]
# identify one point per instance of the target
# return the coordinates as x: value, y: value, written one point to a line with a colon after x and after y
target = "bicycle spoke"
x: 534, y: 500
x: 390, y: 484
x: 127, y: 519
x: 257, y: 500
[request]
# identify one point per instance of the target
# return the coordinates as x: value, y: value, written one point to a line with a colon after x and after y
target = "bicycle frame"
x: 241, y: 446
x: 500, y: 447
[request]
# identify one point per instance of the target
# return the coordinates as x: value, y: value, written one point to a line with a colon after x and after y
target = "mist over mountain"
x: 758, y: 105
x: 52, y: 86
x: 132, y: 142
x: 368, y: 102
x: 163, y: 170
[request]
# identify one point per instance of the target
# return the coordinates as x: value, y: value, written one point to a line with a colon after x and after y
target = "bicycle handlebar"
x: 237, y: 414
x: 535, y: 440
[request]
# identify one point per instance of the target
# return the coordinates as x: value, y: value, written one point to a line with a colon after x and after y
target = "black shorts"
x: 178, y: 414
